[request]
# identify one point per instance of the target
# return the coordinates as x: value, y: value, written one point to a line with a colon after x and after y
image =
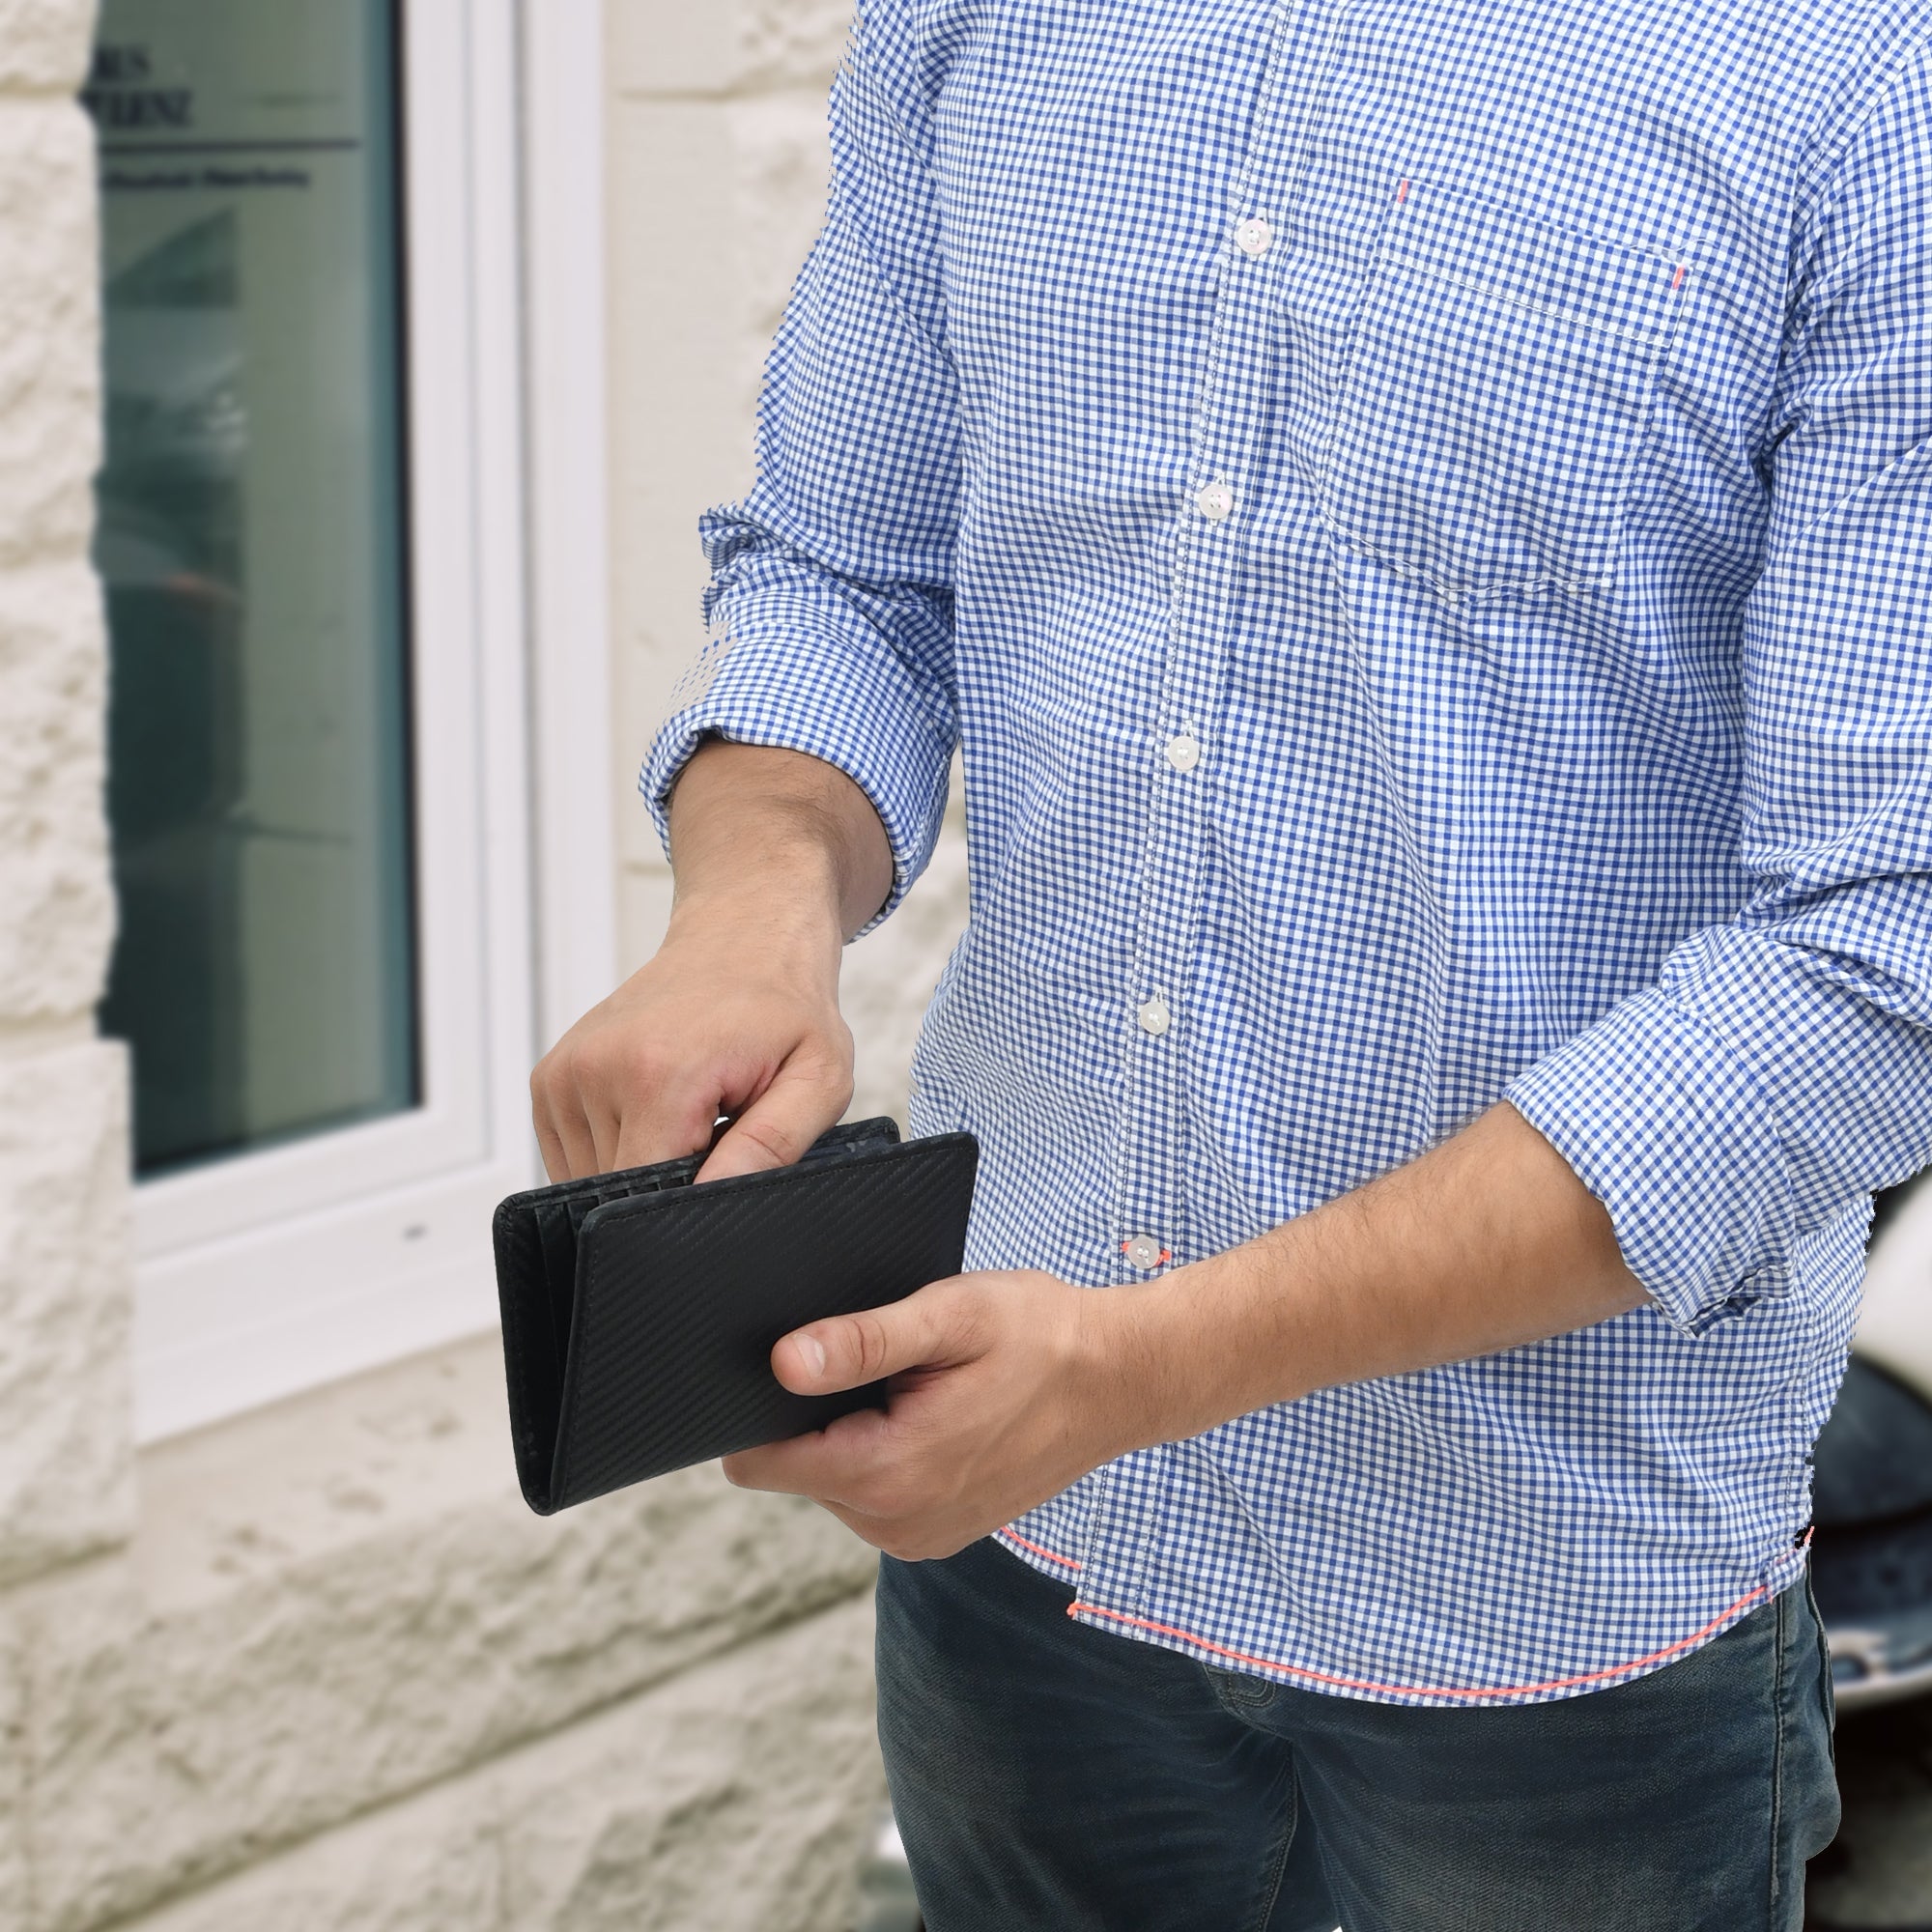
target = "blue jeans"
x: 1050, y: 1776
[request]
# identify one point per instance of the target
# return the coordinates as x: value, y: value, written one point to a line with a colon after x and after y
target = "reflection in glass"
x: 251, y: 542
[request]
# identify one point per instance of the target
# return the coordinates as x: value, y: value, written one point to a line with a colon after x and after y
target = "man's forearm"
x: 1485, y: 1243
x: 754, y: 826
x: 1013, y: 1384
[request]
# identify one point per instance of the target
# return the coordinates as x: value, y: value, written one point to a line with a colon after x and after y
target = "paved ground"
x: 1878, y: 1877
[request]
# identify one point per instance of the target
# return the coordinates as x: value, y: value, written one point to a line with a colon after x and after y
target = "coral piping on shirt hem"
x: 1076, y: 1608
x: 1038, y: 1550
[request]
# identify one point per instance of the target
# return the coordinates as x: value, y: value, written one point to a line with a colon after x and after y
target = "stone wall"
x: 339, y: 1668
x: 65, y: 1468
x: 318, y: 1667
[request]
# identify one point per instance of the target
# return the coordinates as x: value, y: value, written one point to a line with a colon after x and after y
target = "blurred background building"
x: 406, y: 343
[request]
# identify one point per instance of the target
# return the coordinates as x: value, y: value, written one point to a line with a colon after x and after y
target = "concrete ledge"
x: 341, y: 1600
x: 735, y: 1800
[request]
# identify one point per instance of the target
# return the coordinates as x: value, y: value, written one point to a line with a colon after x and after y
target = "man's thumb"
x: 846, y: 1352
x: 773, y: 1131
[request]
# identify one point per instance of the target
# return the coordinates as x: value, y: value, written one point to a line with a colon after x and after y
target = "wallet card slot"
x: 558, y: 1225
x: 825, y: 1153
x: 560, y: 1222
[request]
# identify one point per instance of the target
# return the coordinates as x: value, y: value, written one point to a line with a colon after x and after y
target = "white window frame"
x: 278, y: 1269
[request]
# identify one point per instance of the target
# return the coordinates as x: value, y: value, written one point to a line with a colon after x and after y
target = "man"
x: 1417, y: 518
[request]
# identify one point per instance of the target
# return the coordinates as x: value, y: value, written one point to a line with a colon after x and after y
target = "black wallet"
x: 640, y: 1311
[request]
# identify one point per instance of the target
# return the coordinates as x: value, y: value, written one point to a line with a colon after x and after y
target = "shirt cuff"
x: 1669, y: 1129
x: 850, y: 703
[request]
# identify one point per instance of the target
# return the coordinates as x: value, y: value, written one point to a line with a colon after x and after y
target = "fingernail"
x: 813, y: 1351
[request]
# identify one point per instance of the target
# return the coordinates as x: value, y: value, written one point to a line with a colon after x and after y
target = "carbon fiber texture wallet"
x: 640, y: 1311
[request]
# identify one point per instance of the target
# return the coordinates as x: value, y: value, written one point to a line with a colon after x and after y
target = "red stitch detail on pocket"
x: 1716, y: 1623
x: 1402, y: 193
x: 1038, y: 1550
x: 1678, y: 280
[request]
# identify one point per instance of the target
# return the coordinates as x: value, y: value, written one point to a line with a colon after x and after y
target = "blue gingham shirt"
x: 1419, y: 514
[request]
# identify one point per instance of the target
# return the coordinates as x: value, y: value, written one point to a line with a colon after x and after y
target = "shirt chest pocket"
x: 1494, y: 397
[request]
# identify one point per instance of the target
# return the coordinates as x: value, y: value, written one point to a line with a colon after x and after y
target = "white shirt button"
x: 1254, y: 236
x: 1154, y: 1016
x: 1142, y: 1251
x: 1183, y: 753
x: 1214, y: 501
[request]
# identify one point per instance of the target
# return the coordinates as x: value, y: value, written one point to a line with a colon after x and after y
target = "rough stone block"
x: 737, y: 1797
x: 433, y: 1864
x: 49, y: 334
x: 723, y: 47
x: 341, y: 1600
x: 724, y: 198
x: 53, y: 838
x: 16, y: 1876
x: 43, y: 44
x: 66, y: 1455
x: 782, y: 168
x: 683, y: 382
x: 733, y: 1798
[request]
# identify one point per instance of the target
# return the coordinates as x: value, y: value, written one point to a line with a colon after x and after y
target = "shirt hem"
x: 1206, y: 1649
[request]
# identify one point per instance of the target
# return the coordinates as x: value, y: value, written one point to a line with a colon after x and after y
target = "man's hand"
x: 778, y: 856
x: 736, y: 1015
x: 1005, y: 1389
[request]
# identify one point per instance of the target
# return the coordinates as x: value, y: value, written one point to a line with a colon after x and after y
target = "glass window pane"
x: 252, y: 543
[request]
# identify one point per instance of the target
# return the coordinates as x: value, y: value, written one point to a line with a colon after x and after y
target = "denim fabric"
x: 1046, y: 1776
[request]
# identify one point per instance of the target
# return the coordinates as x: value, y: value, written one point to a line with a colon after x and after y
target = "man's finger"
x: 775, y: 1128
x: 563, y: 1133
x: 844, y: 1352
x: 558, y: 1162
x: 835, y: 1464
x: 652, y: 1129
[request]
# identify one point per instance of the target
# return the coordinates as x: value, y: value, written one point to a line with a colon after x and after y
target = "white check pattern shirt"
x: 1419, y: 514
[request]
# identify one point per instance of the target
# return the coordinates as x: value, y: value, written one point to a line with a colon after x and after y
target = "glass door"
x: 253, y: 544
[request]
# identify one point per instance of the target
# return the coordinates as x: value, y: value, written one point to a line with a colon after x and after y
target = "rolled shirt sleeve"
x: 1780, y: 1068
x: 830, y: 608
